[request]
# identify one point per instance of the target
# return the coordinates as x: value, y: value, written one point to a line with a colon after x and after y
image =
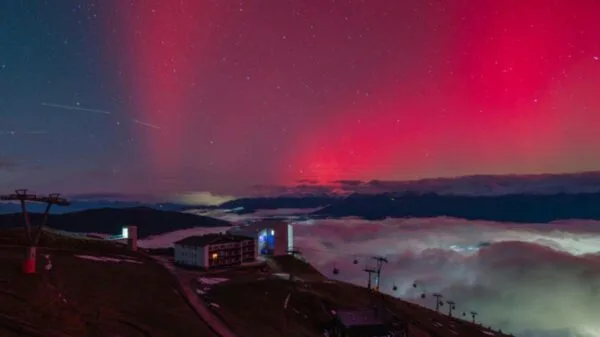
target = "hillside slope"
x: 78, y: 205
x: 94, y: 288
x: 111, y: 220
x: 255, y: 306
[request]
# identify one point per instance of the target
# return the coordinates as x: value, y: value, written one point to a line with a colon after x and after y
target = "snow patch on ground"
x: 107, y: 259
x: 284, y: 276
x: 211, y: 280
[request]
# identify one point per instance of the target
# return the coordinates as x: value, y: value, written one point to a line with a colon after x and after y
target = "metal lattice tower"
x: 370, y: 272
x: 473, y: 315
x: 438, y: 301
x: 451, y: 306
x: 33, y: 235
x: 380, y: 261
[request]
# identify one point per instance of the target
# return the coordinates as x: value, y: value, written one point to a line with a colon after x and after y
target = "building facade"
x: 273, y: 236
x: 215, y: 250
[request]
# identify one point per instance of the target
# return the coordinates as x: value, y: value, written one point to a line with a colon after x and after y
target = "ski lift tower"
x: 33, y: 235
x: 380, y: 261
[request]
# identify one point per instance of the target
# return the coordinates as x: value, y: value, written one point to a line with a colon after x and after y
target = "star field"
x: 197, y: 95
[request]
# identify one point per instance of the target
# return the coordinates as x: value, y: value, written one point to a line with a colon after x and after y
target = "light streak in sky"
x: 75, y: 107
x: 148, y: 125
x: 78, y: 108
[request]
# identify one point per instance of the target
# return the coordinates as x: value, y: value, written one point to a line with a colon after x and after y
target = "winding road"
x: 205, y: 313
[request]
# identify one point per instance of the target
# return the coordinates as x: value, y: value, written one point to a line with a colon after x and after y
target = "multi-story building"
x: 215, y: 250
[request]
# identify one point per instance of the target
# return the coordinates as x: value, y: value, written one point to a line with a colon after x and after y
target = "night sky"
x: 174, y: 96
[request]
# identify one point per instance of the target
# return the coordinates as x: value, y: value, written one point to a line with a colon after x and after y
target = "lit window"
x: 215, y: 255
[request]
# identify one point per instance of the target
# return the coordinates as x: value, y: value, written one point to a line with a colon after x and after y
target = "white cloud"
x: 167, y: 239
x: 229, y: 215
x: 533, y: 279
x: 202, y: 198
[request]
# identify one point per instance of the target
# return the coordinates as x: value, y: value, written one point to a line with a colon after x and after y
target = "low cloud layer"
x: 233, y: 217
x: 202, y: 198
x: 527, y: 279
x: 167, y: 239
x: 531, y: 280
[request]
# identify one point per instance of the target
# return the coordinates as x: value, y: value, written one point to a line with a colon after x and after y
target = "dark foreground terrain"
x: 128, y: 296
x: 111, y: 220
x: 254, y: 306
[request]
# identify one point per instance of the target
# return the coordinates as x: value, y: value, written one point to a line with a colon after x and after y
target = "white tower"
x: 284, y: 237
x: 132, y: 238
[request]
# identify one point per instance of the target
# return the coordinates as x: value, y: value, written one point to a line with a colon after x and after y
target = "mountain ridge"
x: 507, y: 208
x: 476, y: 185
x: 111, y: 220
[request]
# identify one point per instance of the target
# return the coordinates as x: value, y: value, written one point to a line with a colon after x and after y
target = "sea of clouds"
x: 527, y: 279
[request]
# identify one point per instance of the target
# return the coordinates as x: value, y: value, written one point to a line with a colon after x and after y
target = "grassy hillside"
x: 111, y: 220
x: 255, y: 306
x: 128, y: 296
x: 133, y: 296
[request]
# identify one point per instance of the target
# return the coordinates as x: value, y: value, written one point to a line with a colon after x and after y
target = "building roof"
x: 359, y: 317
x: 210, y: 239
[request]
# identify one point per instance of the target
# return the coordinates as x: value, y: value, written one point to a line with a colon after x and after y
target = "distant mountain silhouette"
x: 81, y: 205
x: 510, y: 208
x: 474, y: 185
x: 252, y: 204
x: 517, y: 198
x: 111, y: 220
